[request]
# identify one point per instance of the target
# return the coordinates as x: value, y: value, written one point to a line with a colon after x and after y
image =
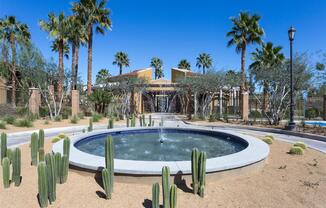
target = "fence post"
x: 34, y: 101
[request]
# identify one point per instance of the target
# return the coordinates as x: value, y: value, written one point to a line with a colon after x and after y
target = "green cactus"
x: 202, y: 169
x: 3, y: 145
x: 90, y: 127
x: 128, y: 122
x: 6, y: 172
x: 173, y: 196
x: 107, y: 183
x: 156, y: 195
x: 57, y: 161
x: 9, y: 155
x: 144, y: 120
x: 66, y: 147
x: 42, y: 184
x: 34, y: 148
x: 133, y: 120
x: 16, y: 167
x: 166, y: 186
x: 194, y: 169
x: 41, y: 139
x: 109, y: 158
x: 111, y: 123
x: 64, y: 169
x: 140, y: 121
x: 41, y: 154
x: 202, y: 191
x: 150, y: 120
x: 51, y: 176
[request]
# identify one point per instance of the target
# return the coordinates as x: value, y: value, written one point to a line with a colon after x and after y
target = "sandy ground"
x: 300, y: 183
x: 40, y: 124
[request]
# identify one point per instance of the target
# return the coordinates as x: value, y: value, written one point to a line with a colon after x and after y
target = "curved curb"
x: 256, y: 151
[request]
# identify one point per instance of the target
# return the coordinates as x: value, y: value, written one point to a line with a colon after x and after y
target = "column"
x: 34, y: 101
x: 74, y: 102
x: 221, y: 101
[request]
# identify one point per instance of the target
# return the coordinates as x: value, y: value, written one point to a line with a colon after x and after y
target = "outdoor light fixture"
x: 291, y: 33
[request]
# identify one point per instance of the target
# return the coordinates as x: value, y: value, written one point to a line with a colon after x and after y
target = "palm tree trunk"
x: 73, y: 65
x: 243, y: 65
x: 204, y: 70
x: 120, y: 69
x: 13, y: 72
x: 61, y: 69
x: 265, y: 103
x: 76, y: 66
x: 90, y: 57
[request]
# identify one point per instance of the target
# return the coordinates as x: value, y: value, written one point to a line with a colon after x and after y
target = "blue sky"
x: 177, y: 29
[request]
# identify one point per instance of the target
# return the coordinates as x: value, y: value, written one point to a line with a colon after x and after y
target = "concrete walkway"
x: 15, y: 139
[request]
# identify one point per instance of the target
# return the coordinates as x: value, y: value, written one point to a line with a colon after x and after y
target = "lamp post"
x: 291, y: 33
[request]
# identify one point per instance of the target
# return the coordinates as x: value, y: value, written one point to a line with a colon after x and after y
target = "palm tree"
x: 93, y: 13
x: 265, y: 59
x: 121, y: 59
x: 245, y: 31
x: 76, y: 36
x: 184, y: 64
x: 57, y: 27
x: 13, y: 31
x: 157, y: 64
x: 204, y: 61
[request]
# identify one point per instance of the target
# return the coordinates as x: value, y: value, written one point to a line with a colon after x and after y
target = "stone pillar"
x: 324, y: 107
x: 221, y: 102
x: 244, y: 106
x: 34, y: 101
x: 74, y: 102
x: 3, y: 91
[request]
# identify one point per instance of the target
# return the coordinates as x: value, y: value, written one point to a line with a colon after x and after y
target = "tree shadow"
x: 181, y: 183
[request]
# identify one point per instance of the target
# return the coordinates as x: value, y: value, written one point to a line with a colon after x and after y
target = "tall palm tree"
x: 184, y: 64
x: 204, y: 61
x: 157, y: 64
x: 93, y: 13
x: 57, y: 27
x: 13, y: 31
x: 264, y: 59
x: 121, y: 59
x: 77, y: 36
x: 245, y: 31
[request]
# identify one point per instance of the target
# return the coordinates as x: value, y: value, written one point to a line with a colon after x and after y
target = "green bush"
x: 268, y: 140
x: 311, y: 113
x: 9, y: 119
x: 300, y: 144
x: 74, y: 119
x: 22, y: 111
x: 46, y: 122
x: 55, y: 139
x: 211, y: 118
x: 23, y: 123
x: 96, y: 117
x: 32, y: 117
x: 66, y: 112
x: 296, y: 150
x: 44, y: 111
x: 255, y: 114
x: 62, y: 136
x: 58, y: 118
x: 81, y: 115
x: 270, y: 136
x: 2, y: 125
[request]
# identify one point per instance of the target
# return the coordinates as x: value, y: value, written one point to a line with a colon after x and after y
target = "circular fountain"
x: 144, y: 151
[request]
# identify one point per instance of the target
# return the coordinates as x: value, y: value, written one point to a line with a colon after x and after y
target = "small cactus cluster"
x: 90, y: 126
x: 198, y: 170
x: 37, y: 147
x: 111, y: 123
x: 169, y: 192
x: 144, y: 120
x: 133, y: 121
x: 108, y: 171
x: 15, y: 161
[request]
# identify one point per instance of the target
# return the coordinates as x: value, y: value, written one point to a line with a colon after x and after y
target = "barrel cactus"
x: 173, y: 196
x: 6, y: 172
x: 109, y: 158
x: 107, y: 183
x: 34, y: 148
x: 16, y: 167
x: 194, y: 169
x: 51, y: 176
x: 166, y: 186
x: 42, y: 184
x: 156, y: 195
x: 41, y: 138
x: 3, y: 145
x: 64, y: 169
x: 66, y: 147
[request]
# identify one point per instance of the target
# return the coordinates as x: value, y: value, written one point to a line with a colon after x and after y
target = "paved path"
x: 15, y: 139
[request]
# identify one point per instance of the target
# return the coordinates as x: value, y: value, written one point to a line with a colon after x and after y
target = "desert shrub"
x: 81, y: 115
x: 23, y: 123
x: 96, y: 117
x: 32, y: 117
x: 66, y: 112
x: 22, y: 111
x: 62, y: 136
x: 254, y: 114
x: 55, y: 139
x: 311, y: 113
x: 300, y: 144
x: 296, y: 150
x: 58, y: 118
x: 2, y: 125
x: 270, y: 136
x: 44, y: 111
x: 211, y: 118
x: 74, y: 119
x: 9, y: 119
x: 268, y: 140
x: 46, y: 122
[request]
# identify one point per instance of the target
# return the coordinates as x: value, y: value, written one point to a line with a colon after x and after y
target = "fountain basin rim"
x: 256, y: 151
